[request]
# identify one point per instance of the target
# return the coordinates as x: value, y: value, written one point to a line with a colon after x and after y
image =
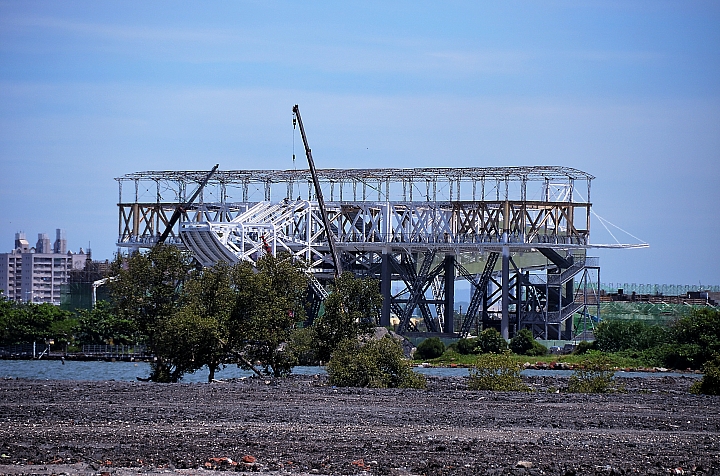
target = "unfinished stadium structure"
x: 519, y: 236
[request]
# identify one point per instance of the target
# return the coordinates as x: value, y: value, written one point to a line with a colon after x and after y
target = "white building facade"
x: 37, y: 274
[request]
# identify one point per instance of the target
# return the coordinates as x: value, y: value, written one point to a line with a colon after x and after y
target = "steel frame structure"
x: 519, y: 235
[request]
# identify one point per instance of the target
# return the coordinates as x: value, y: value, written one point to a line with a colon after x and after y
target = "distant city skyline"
x: 626, y: 91
x: 59, y: 243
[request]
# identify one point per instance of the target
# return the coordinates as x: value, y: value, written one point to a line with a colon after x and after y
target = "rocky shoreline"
x: 301, y: 425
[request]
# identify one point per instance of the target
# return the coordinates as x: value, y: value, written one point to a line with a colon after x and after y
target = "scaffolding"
x: 518, y: 235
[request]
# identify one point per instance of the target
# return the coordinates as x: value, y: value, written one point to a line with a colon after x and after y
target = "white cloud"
x: 117, y: 31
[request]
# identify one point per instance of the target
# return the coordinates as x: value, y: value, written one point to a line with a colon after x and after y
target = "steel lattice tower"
x: 518, y: 235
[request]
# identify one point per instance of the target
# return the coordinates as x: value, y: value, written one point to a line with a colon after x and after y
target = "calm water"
x: 128, y: 371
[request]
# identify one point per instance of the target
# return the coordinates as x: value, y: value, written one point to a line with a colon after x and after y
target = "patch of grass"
x: 498, y: 372
x: 619, y: 359
x: 451, y: 356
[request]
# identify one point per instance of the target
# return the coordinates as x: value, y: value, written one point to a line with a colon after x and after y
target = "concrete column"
x: 569, y: 295
x: 385, y: 288
x: 505, y: 322
x: 569, y: 291
x: 449, y: 294
x: 567, y: 329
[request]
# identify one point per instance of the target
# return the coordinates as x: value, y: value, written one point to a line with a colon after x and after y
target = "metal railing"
x: 113, y: 350
x: 20, y: 350
x: 664, y: 289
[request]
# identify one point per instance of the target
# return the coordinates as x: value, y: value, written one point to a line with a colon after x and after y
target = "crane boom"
x: 318, y: 192
x: 183, y: 206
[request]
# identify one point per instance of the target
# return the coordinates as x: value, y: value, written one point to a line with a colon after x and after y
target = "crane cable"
x: 293, y: 157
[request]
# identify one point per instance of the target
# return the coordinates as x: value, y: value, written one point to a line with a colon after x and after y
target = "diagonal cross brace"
x: 480, y: 288
x: 417, y: 284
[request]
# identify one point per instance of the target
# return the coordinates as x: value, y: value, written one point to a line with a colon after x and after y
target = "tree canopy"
x: 352, y: 309
x: 27, y: 322
x: 146, y: 288
x: 211, y: 316
x: 376, y: 363
x: 268, y: 305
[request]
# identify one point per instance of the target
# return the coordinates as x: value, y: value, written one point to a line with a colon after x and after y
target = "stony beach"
x: 301, y: 425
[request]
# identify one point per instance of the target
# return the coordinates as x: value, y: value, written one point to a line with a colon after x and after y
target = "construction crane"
x: 318, y: 192
x: 183, y: 207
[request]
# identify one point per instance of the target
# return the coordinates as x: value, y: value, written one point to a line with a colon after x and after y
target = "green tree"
x: 62, y: 331
x: 525, y: 344
x: 352, y: 309
x: 620, y: 334
x: 710, y: 382
x: 466, y: 346
x: 202, y: 325
x: 186, y: 342
x: 702, y: 329
x: 584, y: 347
x: 303, y: 345
x: 7, y: 308
x: 102, y: 326
x: 27, y: 322
x: 491, y: 342
x: 676, y: 356
x: 268, y: 305
x: 693, y: 340
x: 430, y: 348
x: 146, y: 289
x: 213, y: 315
x: 376, y: 363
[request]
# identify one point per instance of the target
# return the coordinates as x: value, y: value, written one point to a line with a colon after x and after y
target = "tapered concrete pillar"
x: 385, y: 289
x: 449, y: 294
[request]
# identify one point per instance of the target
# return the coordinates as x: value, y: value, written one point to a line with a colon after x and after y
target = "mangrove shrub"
x: 620, y: 334
x: 377, y: 363
x: 351, y: 310
x: 593, y: 375
x: 710, y: 382
x: 489, y: 341
x: 525, y: 344
x: 497, y: 372
x: 466, y: 346
x: 430, y: 348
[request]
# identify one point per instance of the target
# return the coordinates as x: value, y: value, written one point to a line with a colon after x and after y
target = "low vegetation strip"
x: 189, y: 319
x: 692, y: 343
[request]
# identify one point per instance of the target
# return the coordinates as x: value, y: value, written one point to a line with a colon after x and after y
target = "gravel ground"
x: 301, y: 425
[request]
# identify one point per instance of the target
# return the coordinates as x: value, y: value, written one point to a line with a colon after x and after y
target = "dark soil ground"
x: 301, y: 425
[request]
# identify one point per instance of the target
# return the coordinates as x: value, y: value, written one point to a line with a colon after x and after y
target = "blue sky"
x: 627, y: 91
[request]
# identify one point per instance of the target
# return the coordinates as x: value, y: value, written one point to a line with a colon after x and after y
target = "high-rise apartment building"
x: 37, y: 274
